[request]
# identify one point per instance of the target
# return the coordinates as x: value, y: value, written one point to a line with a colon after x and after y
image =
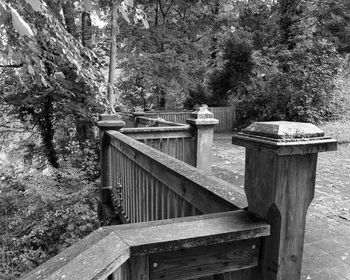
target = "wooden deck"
x: 182, y: 222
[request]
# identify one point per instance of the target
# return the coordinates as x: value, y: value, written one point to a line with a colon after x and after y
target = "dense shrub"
x: 231, y: 69
x: 298, y: 84
x: 41, y: 215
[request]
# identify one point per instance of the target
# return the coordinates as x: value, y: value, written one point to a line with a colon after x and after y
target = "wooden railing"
x: 184, y: 248
x: 176, y: 141
x: 226, y: 116
x: 150, y: 185
x: 164, y: 198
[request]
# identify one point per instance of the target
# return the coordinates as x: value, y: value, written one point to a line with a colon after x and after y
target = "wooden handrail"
x: 101, y: 253
x: 207, y: 193
x: 158, y: 132
x: 157, y: 122
x: 94, y: 257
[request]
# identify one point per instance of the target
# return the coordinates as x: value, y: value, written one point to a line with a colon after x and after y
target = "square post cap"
x: 138, y: 112
x: 284, y: 138
x: 202, y: 116
x: 107, y: 121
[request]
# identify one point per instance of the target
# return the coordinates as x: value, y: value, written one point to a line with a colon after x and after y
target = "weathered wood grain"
x: 174, y: 234
x: 204, y: 260
x: 280, y: 189
x: 101, y: 254
x: 139, y: 268
x: 207, y: 193
x: 281, y: 159
x: 94, y: 257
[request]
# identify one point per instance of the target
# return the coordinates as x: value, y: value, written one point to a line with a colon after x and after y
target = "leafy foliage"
x: 41, y: 215
x: 232, y: 68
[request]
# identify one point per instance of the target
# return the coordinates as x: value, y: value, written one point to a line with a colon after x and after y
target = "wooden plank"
x: 244, y: 274
x: 139, y: 268
x: 158, y: 132
x: 174, y: 234
x: 287, y: 186
x: 207, y: 193
x: 120, y: 273
x: 94, y: 257
x: 204, y: 260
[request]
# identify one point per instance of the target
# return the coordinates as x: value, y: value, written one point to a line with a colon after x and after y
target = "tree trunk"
x: 47, y: 132
x: 68, y: 11
x: 112, y: 58
x: 290, y: 13
x: 214, y: 39
x: 84, y: 128
x: 86, y: 29
x: 55, y: 7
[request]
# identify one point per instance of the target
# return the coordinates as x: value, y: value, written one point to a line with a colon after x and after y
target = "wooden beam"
x: 280, y: 173
x: 94, y: 257
x: 176, y: 234
x: 204, y: 260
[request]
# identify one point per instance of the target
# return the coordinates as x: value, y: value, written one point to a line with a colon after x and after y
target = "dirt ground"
x: 327, y: 236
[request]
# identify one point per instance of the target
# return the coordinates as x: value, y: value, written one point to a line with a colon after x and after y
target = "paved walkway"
x: 327, y: 236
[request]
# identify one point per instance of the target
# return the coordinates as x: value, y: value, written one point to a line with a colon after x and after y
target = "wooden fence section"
x: 176, y: 141
x: 150, y: 185
x: 171, y: 116
x: 226, y: 115
x: 227, y: 118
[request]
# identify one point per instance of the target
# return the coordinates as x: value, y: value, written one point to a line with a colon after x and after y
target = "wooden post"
x: 280, y: 174
x: 202, y: 120
x: 107, y: 122
x: 137, y: 114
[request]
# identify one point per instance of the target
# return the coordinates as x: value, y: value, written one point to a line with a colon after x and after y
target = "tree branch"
x: 12, y: 65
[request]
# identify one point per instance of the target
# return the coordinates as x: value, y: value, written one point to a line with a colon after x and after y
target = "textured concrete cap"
x: 202, y: 112
x: 284, y: 130
x: 110, y: 121
x: 285, y: 138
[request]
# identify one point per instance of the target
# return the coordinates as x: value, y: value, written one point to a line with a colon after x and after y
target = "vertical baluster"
x: 168, y: 143
x: 183, y: 157
x: 193, y: 211
x: 127, y: 185
x: 124, y: 176
x: 147, y: 200
x: 158, y: 214
x: 170, y: 203
x: 132, y: 187
x: 154, y: 199
x: 161, y: 145
x: 136, y: 196
x: 139, y: 188
x: 151, y: 198
x: 144, y: 196
x: 115, y: 169
x: 183, y: 208
x: 164, y: 195
x: 136, y: 201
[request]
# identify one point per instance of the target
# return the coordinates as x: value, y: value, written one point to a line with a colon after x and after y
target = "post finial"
x: 107, y: 121
x: 285, y: 138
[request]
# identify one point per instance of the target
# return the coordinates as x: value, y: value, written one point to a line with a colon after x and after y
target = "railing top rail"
x: 183, y: 127
x: 161, y: 121
x: 94, y: 257
x: 200, y: 190
x: 175, y: 234
x: 105, y: 250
